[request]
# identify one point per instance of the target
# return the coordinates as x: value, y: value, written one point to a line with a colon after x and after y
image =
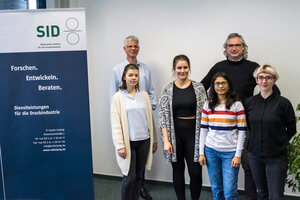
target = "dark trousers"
x: 269, y: 175
x: 131, y: 183
x: 250, y: 187
x: 185, y: 144
x: 143, y: 180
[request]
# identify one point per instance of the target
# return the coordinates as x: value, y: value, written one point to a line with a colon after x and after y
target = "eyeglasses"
x: 218, y: 84
x: 234, y: 45
x: 132, y: 46
x: 267, y: 78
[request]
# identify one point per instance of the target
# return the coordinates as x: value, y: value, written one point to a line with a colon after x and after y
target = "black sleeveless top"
x: 184, y: 101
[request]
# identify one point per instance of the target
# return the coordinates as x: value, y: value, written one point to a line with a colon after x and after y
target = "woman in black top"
x: 179, y: 115
x: 272, y: 123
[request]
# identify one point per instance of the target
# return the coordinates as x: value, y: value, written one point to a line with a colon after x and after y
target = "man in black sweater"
x: 236, y: 67
x: 240, y: 70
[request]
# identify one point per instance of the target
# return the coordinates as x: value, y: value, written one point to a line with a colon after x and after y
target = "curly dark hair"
x: 213, y: 96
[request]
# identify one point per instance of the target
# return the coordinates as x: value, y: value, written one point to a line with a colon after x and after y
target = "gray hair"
x: 268, y: 69
x: 131, y: 38
x: 234, y: 35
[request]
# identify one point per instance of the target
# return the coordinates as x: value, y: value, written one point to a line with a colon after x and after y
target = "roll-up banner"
x: 45, y: 137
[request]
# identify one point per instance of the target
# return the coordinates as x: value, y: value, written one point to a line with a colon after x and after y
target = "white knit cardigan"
x: 120, y: 131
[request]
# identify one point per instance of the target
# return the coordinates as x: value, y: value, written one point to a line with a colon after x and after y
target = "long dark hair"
x: 128, y: 67
x: 213, y: 96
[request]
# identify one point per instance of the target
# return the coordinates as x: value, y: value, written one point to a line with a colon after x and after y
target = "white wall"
x: 195, y: 28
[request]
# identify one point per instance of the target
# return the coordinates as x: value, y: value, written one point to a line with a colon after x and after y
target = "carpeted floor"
x: 109, y: 188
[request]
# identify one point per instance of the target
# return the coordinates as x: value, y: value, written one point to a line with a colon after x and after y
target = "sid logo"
x: 48, y: 31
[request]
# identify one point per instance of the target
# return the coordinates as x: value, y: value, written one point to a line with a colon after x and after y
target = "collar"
x: 242, y: 59
x: 137, y: 63
x: 269, y: 98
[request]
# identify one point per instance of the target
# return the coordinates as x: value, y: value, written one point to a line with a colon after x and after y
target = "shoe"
x: 144, y: 194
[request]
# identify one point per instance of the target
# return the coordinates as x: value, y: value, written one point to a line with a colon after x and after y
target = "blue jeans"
x: 223, y: 178
x: 269, y: 175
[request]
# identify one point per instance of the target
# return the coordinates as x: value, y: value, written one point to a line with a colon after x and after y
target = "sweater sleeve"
x: 241, y: 126
x: 163, y: 108
x: 150, y: 105
x: 116, y: 127
x: 290, y: 119
x: 207, y: 79
x: 246, y: 106
x: 203, y: 128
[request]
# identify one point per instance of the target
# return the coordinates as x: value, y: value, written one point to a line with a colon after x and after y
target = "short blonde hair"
x: 266, y: 69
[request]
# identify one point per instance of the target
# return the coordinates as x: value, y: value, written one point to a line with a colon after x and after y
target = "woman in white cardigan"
x: 133, y: 132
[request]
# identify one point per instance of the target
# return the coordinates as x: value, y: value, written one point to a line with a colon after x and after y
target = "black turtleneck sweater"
x: 241, y: 75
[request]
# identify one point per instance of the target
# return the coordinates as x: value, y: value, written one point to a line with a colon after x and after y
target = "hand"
x: 154, y: 148
x: 202, y: 160
x: 168, y: 147
x: 122, y: 153
x: 236, y: 161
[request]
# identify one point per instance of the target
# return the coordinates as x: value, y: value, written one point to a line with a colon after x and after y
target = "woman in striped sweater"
x: 222, y: 135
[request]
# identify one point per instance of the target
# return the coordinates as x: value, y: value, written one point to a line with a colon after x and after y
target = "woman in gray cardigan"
x: 179, y: 114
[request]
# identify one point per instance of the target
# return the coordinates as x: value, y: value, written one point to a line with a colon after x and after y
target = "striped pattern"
x: 223, y: 130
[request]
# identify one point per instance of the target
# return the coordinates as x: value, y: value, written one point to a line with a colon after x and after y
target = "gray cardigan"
x: 165, y: 117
